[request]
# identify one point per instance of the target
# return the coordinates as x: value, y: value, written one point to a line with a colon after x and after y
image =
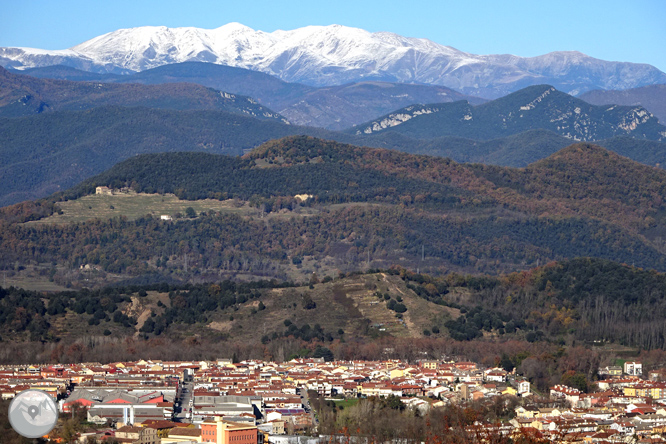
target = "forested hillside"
x: 652, y: 97
x: 581, y: 300
x: 49, y: 152
x: 358, y: 208
x: 334, y: 107
x: 198, y: 176
x: 22, y: 95
x: 534, y: 107
x: 518, y: 150
x: 582, y: 179
x: 591, y: 299
x: 54, y: 151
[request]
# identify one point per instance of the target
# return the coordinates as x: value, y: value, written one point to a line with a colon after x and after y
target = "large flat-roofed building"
x: 212, y: 404
x: 129, y: 414
x: 219, y: 431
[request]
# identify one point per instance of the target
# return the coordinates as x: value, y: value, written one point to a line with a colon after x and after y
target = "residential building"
x: 633, y: 368
x: 137, y: 435
x: 219, y: 431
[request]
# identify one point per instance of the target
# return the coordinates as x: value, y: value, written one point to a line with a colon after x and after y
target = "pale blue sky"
x: 633, y: 31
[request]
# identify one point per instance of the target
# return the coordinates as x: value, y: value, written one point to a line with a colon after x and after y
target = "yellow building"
x: 396, y: 373
x: 180, y: 434
x: 510, y: 391
x: 430, y: 365
x: 138, y: 435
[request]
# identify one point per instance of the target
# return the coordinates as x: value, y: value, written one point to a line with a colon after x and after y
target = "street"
x: 308, y: 408
x: 184, y: 399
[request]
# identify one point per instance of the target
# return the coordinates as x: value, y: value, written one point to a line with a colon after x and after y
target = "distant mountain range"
x: 39, y: 158
x: 72, y: 130
x: 518, y: 150
x: 22, y: 95
x: 42, y: 154
x: 540, y: 106
x: 652, y: 97
x: 336, y: 55
x: 335, y: 108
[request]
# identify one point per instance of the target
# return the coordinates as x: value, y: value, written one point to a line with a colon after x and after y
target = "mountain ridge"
x: 591, y: 168
x: 334, y: 108
x: 363, y: 201
x: 538, y: 106
x: 22, y: 95
x: 334, y: 55
x: 47, y: 152
x: 652, y: 97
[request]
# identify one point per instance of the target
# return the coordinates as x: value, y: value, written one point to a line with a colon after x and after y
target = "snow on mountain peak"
x: 336, y: 54
x: 235, y: 44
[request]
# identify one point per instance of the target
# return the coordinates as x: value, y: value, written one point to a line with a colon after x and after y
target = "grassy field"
x: 30, y: 282
x: 133, y: 206
x: 136, y: 205
x: 344, y: 403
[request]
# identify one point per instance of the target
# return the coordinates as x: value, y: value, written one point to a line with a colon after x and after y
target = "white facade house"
x: 633, y: 368
x: 523, y: 387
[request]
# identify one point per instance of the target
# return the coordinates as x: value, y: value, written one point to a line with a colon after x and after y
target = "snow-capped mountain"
x: 334, y: 55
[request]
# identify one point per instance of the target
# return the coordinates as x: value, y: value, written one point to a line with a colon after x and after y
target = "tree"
x: 575, y: 380
x: 323, y: 352
x: 68, y: 432
x: 308, y: 303
x: 506, y: 363
x: 393, y: 402
x: 190, y: 212
x: 148, y: 326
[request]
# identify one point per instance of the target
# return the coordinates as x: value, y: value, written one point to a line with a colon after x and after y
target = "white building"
x: 633, y: 368
x: 523, y: 387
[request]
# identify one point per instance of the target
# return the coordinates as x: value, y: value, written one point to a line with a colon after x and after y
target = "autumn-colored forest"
x: 582, y: 201
x: 526, y: 256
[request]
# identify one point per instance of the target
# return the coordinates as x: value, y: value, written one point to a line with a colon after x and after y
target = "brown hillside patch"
x: 143, y: 317
x: 221, y: 326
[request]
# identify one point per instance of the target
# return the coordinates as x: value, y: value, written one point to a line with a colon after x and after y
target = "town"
x: 221, y: 401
